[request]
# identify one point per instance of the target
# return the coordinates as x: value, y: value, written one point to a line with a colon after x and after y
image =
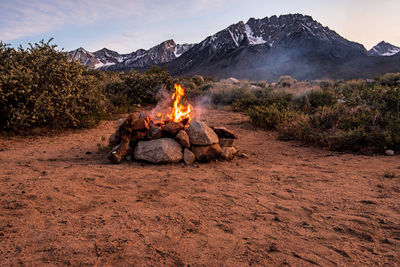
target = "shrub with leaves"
x: 41, y: 87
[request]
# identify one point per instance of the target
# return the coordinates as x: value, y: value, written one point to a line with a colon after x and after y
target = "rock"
x: 226, y: 142
x: 389, y: 152
x: 200, y: 134
x: 243, y: 155
x: 183, y: 139
x: 188, y: 156
x: 143, y: 115
x: 154, y: 133
x: 140, y: 125
x: 233, y: 80
x: 228, y: 153
x: 128, y: 158
x: 206, y: 153
x: 171, y: 128
x: 111, y: 154
x: 114, y: 140
x: 222, y: 132
x: 164, y: 150
x: 139, y: 135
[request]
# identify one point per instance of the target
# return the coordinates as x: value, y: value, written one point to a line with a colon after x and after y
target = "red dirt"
x: 285, y: 204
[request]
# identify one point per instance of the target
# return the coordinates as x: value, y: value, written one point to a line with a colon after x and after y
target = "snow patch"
x: 253, y: 40
x: 101, y: 64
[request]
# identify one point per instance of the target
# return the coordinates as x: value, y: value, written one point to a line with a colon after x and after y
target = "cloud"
x: 20, y: 18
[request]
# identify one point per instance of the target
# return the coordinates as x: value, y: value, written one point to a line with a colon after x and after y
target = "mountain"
x: 267, y: 48
x: 111, y: 60
x: 260, y: 49
x: 84, y: 57
x: 384, y: 49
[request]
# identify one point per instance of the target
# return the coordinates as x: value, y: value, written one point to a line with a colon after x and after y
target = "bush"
x: 269, y: 116
x: 41, y: 87
x: 137, y: 88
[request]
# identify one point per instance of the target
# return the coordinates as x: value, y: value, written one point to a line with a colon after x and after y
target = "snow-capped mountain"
x: 108, y: 59
x: 267, y: 48
x: 84, y: 57
x: 384, y: 49
x: 289, y: 44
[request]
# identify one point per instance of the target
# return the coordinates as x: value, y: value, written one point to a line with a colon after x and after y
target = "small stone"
x: 206, y: 153
x: 200, y: 134
x: 112, y: 154
x: 183, y: 139
x: 171, y: 128
x: 228, y: 153
x: 389, y: 152
x: 140, y: 125
x: 154, y: 133
x: 188, y: 157
x: 222, y: 132
x: 226, y: 142
x: 114, y: 139
x: 139, y: 135
x: 243, y: 155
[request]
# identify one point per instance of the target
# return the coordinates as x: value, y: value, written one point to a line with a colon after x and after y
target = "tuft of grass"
x: 389, y: 174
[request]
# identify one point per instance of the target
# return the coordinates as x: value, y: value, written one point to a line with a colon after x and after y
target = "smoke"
x: 164, y: 104
x: 199, y: 107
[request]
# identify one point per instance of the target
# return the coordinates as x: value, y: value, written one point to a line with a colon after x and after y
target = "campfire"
x: 171, y: 137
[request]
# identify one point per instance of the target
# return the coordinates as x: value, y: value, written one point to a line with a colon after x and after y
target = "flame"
x: 179, y: 111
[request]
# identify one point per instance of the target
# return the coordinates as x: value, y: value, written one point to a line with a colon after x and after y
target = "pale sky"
x: 127, y: 25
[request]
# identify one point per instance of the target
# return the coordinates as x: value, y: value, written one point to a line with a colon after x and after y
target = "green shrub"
x: 269, y: 116
x: 41, y: 87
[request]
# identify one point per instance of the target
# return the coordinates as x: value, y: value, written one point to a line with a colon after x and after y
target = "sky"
x: 127, y: 25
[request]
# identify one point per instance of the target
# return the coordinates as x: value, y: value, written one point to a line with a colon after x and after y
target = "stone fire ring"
x: 141, y: 139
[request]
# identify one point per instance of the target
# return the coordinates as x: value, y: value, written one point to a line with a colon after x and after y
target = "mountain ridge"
x: 292, y: 44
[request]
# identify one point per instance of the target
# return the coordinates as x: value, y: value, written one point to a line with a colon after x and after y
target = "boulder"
x: 226, y: 142
x: 222, y: 132
x: 140, y: 125
x: 233, y: 80
x: 183, y: 139
x: 188, y: 156
x: 200, y: 134
x: 206, y: 153
x: 389, y: 152
x: 171, y: 128
x: 228, y: 153
x: 163, y: 150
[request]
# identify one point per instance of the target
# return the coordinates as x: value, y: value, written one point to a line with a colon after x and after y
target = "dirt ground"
x: 287, y: 204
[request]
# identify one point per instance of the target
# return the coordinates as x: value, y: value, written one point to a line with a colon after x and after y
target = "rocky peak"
x: 384, y: 49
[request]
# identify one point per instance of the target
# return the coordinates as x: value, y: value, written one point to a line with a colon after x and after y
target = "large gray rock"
x: 164, y: 150
x: 200, y: 134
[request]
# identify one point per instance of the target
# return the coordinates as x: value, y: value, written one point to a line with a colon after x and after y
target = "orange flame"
x: 179, y: 111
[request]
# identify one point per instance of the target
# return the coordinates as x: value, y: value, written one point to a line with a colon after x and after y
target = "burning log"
x: 170, y: 140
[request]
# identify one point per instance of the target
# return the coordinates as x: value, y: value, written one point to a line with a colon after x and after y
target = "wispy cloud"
x: 20, y: 18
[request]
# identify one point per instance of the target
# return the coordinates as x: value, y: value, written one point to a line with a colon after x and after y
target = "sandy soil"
x: 287, y: 204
